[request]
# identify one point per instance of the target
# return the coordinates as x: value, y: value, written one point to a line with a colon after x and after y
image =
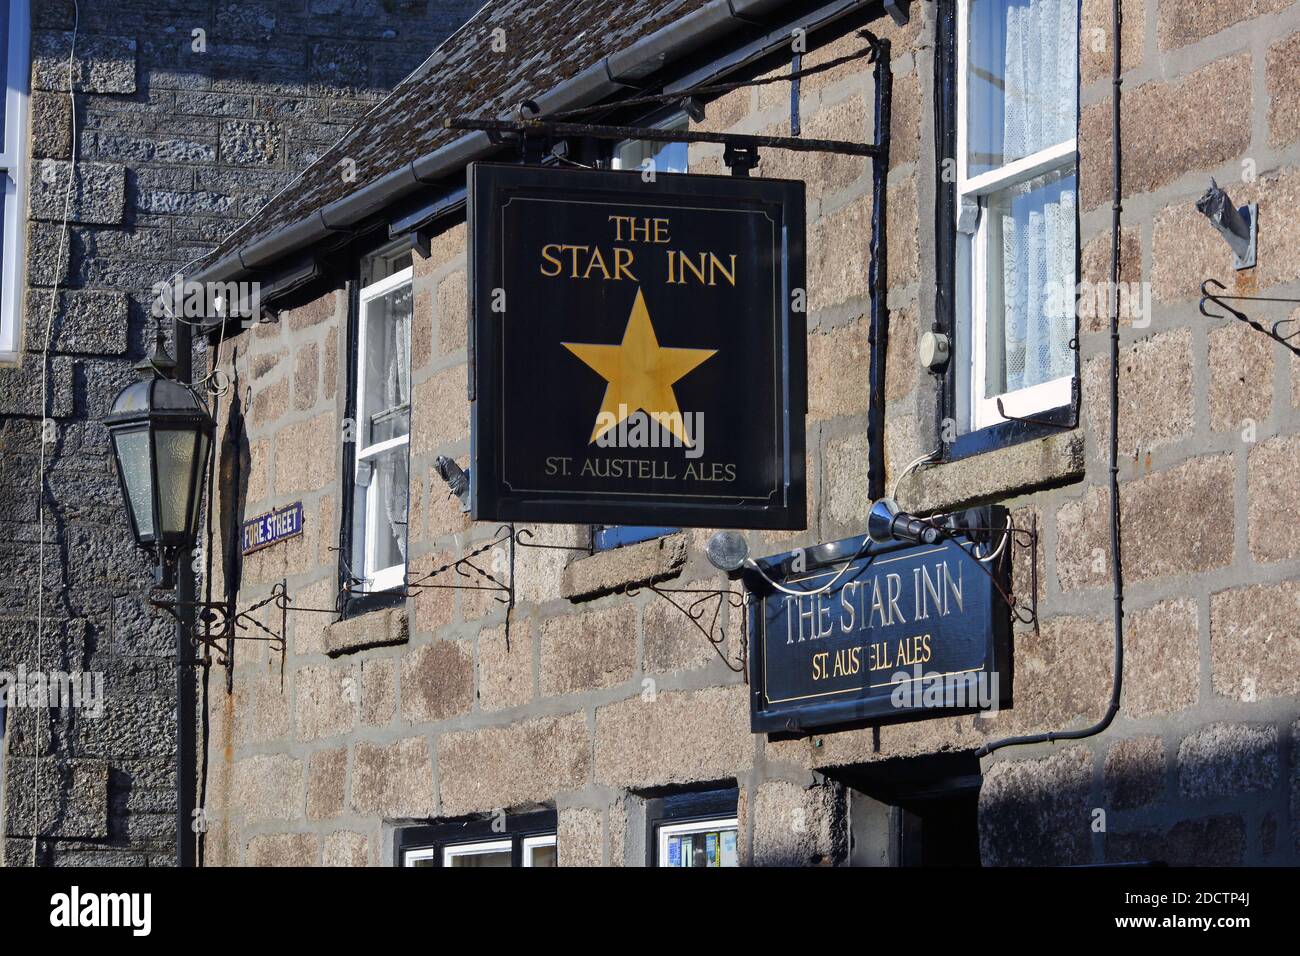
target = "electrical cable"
x: 45, y: 364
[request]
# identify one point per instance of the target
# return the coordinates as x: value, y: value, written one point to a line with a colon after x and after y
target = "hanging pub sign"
x: 903, y: 631
x: 638, y: 352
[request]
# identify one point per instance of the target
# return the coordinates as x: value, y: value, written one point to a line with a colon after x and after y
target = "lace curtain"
x: 1038, y: 218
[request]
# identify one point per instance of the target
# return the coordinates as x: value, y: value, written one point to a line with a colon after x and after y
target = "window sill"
x: 996, y: 471
x: 632, y: 565
x: 382, y: 628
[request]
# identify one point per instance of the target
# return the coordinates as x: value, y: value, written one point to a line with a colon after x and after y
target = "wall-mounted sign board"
x: 638, y: 352
x: 272, y: 527
x: 907, y: 631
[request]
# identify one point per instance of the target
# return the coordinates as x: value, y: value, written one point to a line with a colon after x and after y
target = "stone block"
x: 98, y: 192
x: 525, y: 762
x: 800, y: 826
x: 326, y: 701
x: 675, y: 737
x: 283, y: 849
x: 1158, y: 539
x: 1282, y: 79
x: 1134, y: 773
x: 267, y: 787
x: 1252, y: 636
x: 1162, y: 659
x: 327, y: 772
x: 1241, y: 378
x: 505, y: 667
x: 437, y: 681
x: 1273, y: 499
x: 72, y: 802
x: 1180, y: 22
x: 346, y: 848
x: 580, y: 837
x: 1155, y: 392
x: 1037, y: 812
x: 394, y: 780
x: 633, y: 564
x: 1223, y: 760
x: 838, y: 366
x: 380, y: 628
x: 594, y: 649
x: 378, y: 691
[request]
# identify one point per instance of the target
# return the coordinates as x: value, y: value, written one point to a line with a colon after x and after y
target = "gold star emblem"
x: 640, y: 374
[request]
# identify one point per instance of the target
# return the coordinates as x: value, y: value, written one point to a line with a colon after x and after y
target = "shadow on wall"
x: 232, y: 475
x: 1218, y: 798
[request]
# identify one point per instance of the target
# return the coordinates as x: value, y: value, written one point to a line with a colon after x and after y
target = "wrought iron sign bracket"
x: 1291, y: 339
x: 466, y: 569
x: 551, y: 129
x: 216, y: 623
x: 695, y: 605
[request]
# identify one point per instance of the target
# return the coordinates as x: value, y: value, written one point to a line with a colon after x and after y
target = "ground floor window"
x: 694, y: 829
x: 526, y: 839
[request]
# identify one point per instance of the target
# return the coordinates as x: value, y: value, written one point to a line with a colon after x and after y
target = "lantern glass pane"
x: 198, y: 483
x: 133, y: 458
x: 175, y: 468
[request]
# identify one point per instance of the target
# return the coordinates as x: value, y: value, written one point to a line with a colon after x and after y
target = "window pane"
x: 479, y: 858
x: 175, y: 449
x: 616, y: 535
x: 134, y: 454
x: 1031, y: 283
x: 700, y: 847
x: 385, y: 404
x: 543, y: 855
x: 668, y: 157
x: 1021, y: 79
x: 387, y: 499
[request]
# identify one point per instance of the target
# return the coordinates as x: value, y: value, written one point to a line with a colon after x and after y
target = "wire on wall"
x: 1117, y: 571
x: 41, y: 436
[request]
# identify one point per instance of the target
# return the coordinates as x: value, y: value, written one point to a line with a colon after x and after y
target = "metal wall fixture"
x: 1290, y: 339
x: 1238, y: 227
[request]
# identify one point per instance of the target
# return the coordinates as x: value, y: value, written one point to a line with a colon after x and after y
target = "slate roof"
x: 546, y: 43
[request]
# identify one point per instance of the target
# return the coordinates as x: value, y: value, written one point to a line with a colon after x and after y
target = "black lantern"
x: 160, y: 435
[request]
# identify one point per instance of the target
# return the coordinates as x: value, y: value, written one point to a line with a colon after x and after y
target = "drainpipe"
x: 878, y: 332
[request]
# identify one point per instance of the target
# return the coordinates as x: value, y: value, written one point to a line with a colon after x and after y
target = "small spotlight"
x: 727, y: 551
x: 1237, y: 226
x: 457, y: 479
x: 886, y: 524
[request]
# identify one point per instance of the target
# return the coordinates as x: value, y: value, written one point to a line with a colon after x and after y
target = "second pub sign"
x: 638, y: 351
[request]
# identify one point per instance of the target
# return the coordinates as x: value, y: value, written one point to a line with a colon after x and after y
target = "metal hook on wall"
x: 1273, y: 332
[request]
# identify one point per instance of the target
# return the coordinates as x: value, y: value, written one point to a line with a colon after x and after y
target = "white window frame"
x: 413, y: 857
x: 394, y: 576
x: 481, y: 848
x: 668, y: 830
x: 973, y: 229
x: 536, y: 842
x: 13, y: 169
